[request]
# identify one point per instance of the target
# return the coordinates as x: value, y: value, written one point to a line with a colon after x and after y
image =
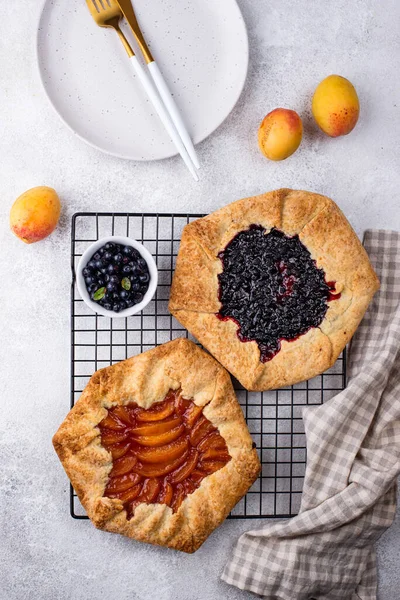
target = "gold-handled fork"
x: 107, y: 13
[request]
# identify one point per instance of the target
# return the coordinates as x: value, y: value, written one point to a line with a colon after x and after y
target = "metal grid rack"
x: 274, y: 417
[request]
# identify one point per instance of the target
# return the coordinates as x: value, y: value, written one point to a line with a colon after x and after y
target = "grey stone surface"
x: 44, y: 554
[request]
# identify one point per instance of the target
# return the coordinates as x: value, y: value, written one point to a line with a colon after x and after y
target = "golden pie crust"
x: 325, y: 231
x: 146, y: 379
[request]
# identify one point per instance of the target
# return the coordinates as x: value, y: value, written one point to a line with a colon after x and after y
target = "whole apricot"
x: 280, y: 133
x: 335, y: 106
x: 34, y: 214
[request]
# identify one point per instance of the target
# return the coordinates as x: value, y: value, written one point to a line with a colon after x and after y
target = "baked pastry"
x: 157, y: 448
x: 273, y: 286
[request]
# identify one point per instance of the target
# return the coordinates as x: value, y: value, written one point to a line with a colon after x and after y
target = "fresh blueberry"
x: 92, y: 288
x: 142, y: 263
x: 144, y: 277
x: 112, y: 269
x: 124, y: 294
x: 110, y: 246
x: 107, y: 256
x: 87, y: 272
x: 118, y: 258
x: 101, y: 250
x: 104, y: 270
x: 129, y: 302
x: 96, y: 256
x: 100, y: 282
x: 138, y: 297
x: 126, y: 269
x: 114, y: 279
x: 88, y: 280
x: 111, y: 287
x: 107, y: 305
x: 107, y: 277
x: 91, y: 264
x: 122, y: 304
x: 128, y: 250
x: 115, y: 297
x: 99, y: 264
x: 143, y: 288
x: 116, y: 307
x: 135, y: 286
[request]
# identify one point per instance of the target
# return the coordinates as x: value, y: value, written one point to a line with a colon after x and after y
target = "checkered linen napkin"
x: 353, y: 442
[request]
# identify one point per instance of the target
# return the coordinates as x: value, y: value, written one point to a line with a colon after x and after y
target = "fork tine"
x: 95, y: 5
x: 106, y: 13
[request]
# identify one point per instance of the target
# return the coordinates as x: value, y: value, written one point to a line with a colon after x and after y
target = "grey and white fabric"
x: 327, y: 552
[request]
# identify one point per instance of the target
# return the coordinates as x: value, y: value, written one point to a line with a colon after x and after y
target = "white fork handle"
x: 162, y: 113
x: 173, y: 110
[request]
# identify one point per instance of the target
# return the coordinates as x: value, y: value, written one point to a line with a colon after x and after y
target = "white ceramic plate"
x: 201, y: 47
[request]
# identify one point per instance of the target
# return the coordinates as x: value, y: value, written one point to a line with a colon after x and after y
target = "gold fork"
x: 107, y: 13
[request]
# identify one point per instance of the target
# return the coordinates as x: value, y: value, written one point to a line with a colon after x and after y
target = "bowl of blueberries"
x: 117, y: 277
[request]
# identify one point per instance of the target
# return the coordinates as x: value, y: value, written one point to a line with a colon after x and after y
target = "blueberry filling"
x: 271, y: 287
x: 116, y: 277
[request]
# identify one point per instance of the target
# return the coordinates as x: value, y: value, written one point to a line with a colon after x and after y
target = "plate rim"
x: 117, y: 154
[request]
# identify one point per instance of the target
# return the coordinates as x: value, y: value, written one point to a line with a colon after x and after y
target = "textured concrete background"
x: 44, y: 554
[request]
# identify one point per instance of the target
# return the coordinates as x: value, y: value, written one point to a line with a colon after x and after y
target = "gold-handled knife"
x: 159, y: 81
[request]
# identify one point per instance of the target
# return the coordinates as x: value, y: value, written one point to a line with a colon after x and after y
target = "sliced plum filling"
x: 271, y: 287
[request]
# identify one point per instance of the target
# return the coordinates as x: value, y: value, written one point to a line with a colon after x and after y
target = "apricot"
x: 186, y: 469
x: 121, y: 484
x: 166, y: 494
x: 157, y: 428
x: 202, y: 428
x: 335, y: 106
x: 178, y: 497
x: 280, y: 134
x: 34, y: 214
x: 130, y: 494
x: 163, y: 454
x: 112, y: 422
x: 118, y: 450
x: 158, y: 413
x: 150, y: 490
x: 160, y: 440
x: 123, y: 465
x: 159, y: 470
x: 110, y: 437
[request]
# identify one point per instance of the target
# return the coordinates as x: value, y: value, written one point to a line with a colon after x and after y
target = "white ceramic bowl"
x: 125, y: 241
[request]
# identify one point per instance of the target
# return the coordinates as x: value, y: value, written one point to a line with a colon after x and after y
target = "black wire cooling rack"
x: 274, y: 417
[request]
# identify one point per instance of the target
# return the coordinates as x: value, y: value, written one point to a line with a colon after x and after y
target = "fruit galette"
x: 273, y: 286
x: 157, y: 447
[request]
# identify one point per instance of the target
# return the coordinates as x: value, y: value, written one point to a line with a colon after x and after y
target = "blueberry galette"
x: 273, y: 286
x: 157, y: 447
